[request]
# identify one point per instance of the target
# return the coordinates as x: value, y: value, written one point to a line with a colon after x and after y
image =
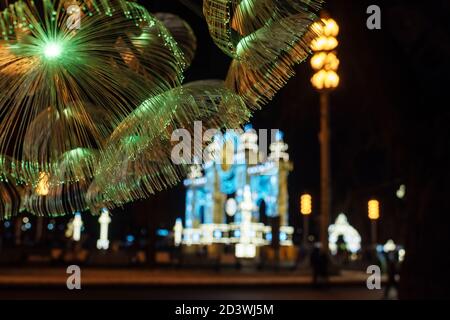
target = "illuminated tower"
x: 280, y: 156
x: 229, y: 202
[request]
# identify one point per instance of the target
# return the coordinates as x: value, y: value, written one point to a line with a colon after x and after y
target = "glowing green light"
x: 52, y: 50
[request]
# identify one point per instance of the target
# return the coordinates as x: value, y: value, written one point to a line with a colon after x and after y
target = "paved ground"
x: 179, y: 284
x: 193, y: 293
x: 94, y: 276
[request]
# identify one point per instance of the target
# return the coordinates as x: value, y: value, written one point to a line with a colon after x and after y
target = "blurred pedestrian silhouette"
x: 319, y: 264
x: 392, y: 273
x: 343, y: 255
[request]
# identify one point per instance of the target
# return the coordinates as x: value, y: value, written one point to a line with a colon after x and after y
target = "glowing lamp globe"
x: 331, y: 28
x: 306, y: 204
x: 318, y: 60
x: 325, y: 80
x: 374, y: 209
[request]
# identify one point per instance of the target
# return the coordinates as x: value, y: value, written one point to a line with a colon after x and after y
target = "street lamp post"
x: 374, y: 216
x: 305, y: 210
x: 325, y: 64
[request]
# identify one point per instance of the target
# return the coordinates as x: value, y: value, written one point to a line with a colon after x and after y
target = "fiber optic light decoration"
x: 53, y: 50
x: 265, y: 38
x: 133, y: 177
x: 125, y: 64
x: 49, y: 139
x: 44, y: 64
x: 62, y: 199
x: 60, y: 186
x: 62, y: 195
x: 137, y: 162
x: 10, y: 199
x: 181, y: 32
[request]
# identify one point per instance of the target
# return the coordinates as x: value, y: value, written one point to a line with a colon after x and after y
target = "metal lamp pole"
x: 325, y: 169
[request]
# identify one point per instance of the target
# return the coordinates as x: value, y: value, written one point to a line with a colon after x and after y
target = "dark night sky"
x: 390, y: 80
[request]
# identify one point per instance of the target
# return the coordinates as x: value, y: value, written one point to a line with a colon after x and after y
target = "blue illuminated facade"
x: 237, y: 176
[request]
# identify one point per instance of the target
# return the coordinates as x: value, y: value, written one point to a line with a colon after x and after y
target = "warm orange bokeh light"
x: 325, y: 61
x: 325, y: 80
x: 42, y: 187
x: 306, y: 204
x: 374, y: 209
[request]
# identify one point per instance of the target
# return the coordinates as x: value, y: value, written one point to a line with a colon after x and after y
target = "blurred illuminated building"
x: 342, y: 228
x: 238, y: 198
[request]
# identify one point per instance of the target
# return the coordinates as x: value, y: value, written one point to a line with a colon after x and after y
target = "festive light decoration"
x: 104, y: 220
x: 224, y: 204
x: 51, y: 75
x: 342, y: 228
x: 181, y: 32
x: 52, y: 50
x: 138, y: 162
x: 46, y: 66
x: 91, y: 91
x: 62, y: 186
x: 42, y: 188
x: 61, y: 199
x: 265, y: 38
x: 10, y: 196
x: 231, y: 207
x: 10, y: 193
